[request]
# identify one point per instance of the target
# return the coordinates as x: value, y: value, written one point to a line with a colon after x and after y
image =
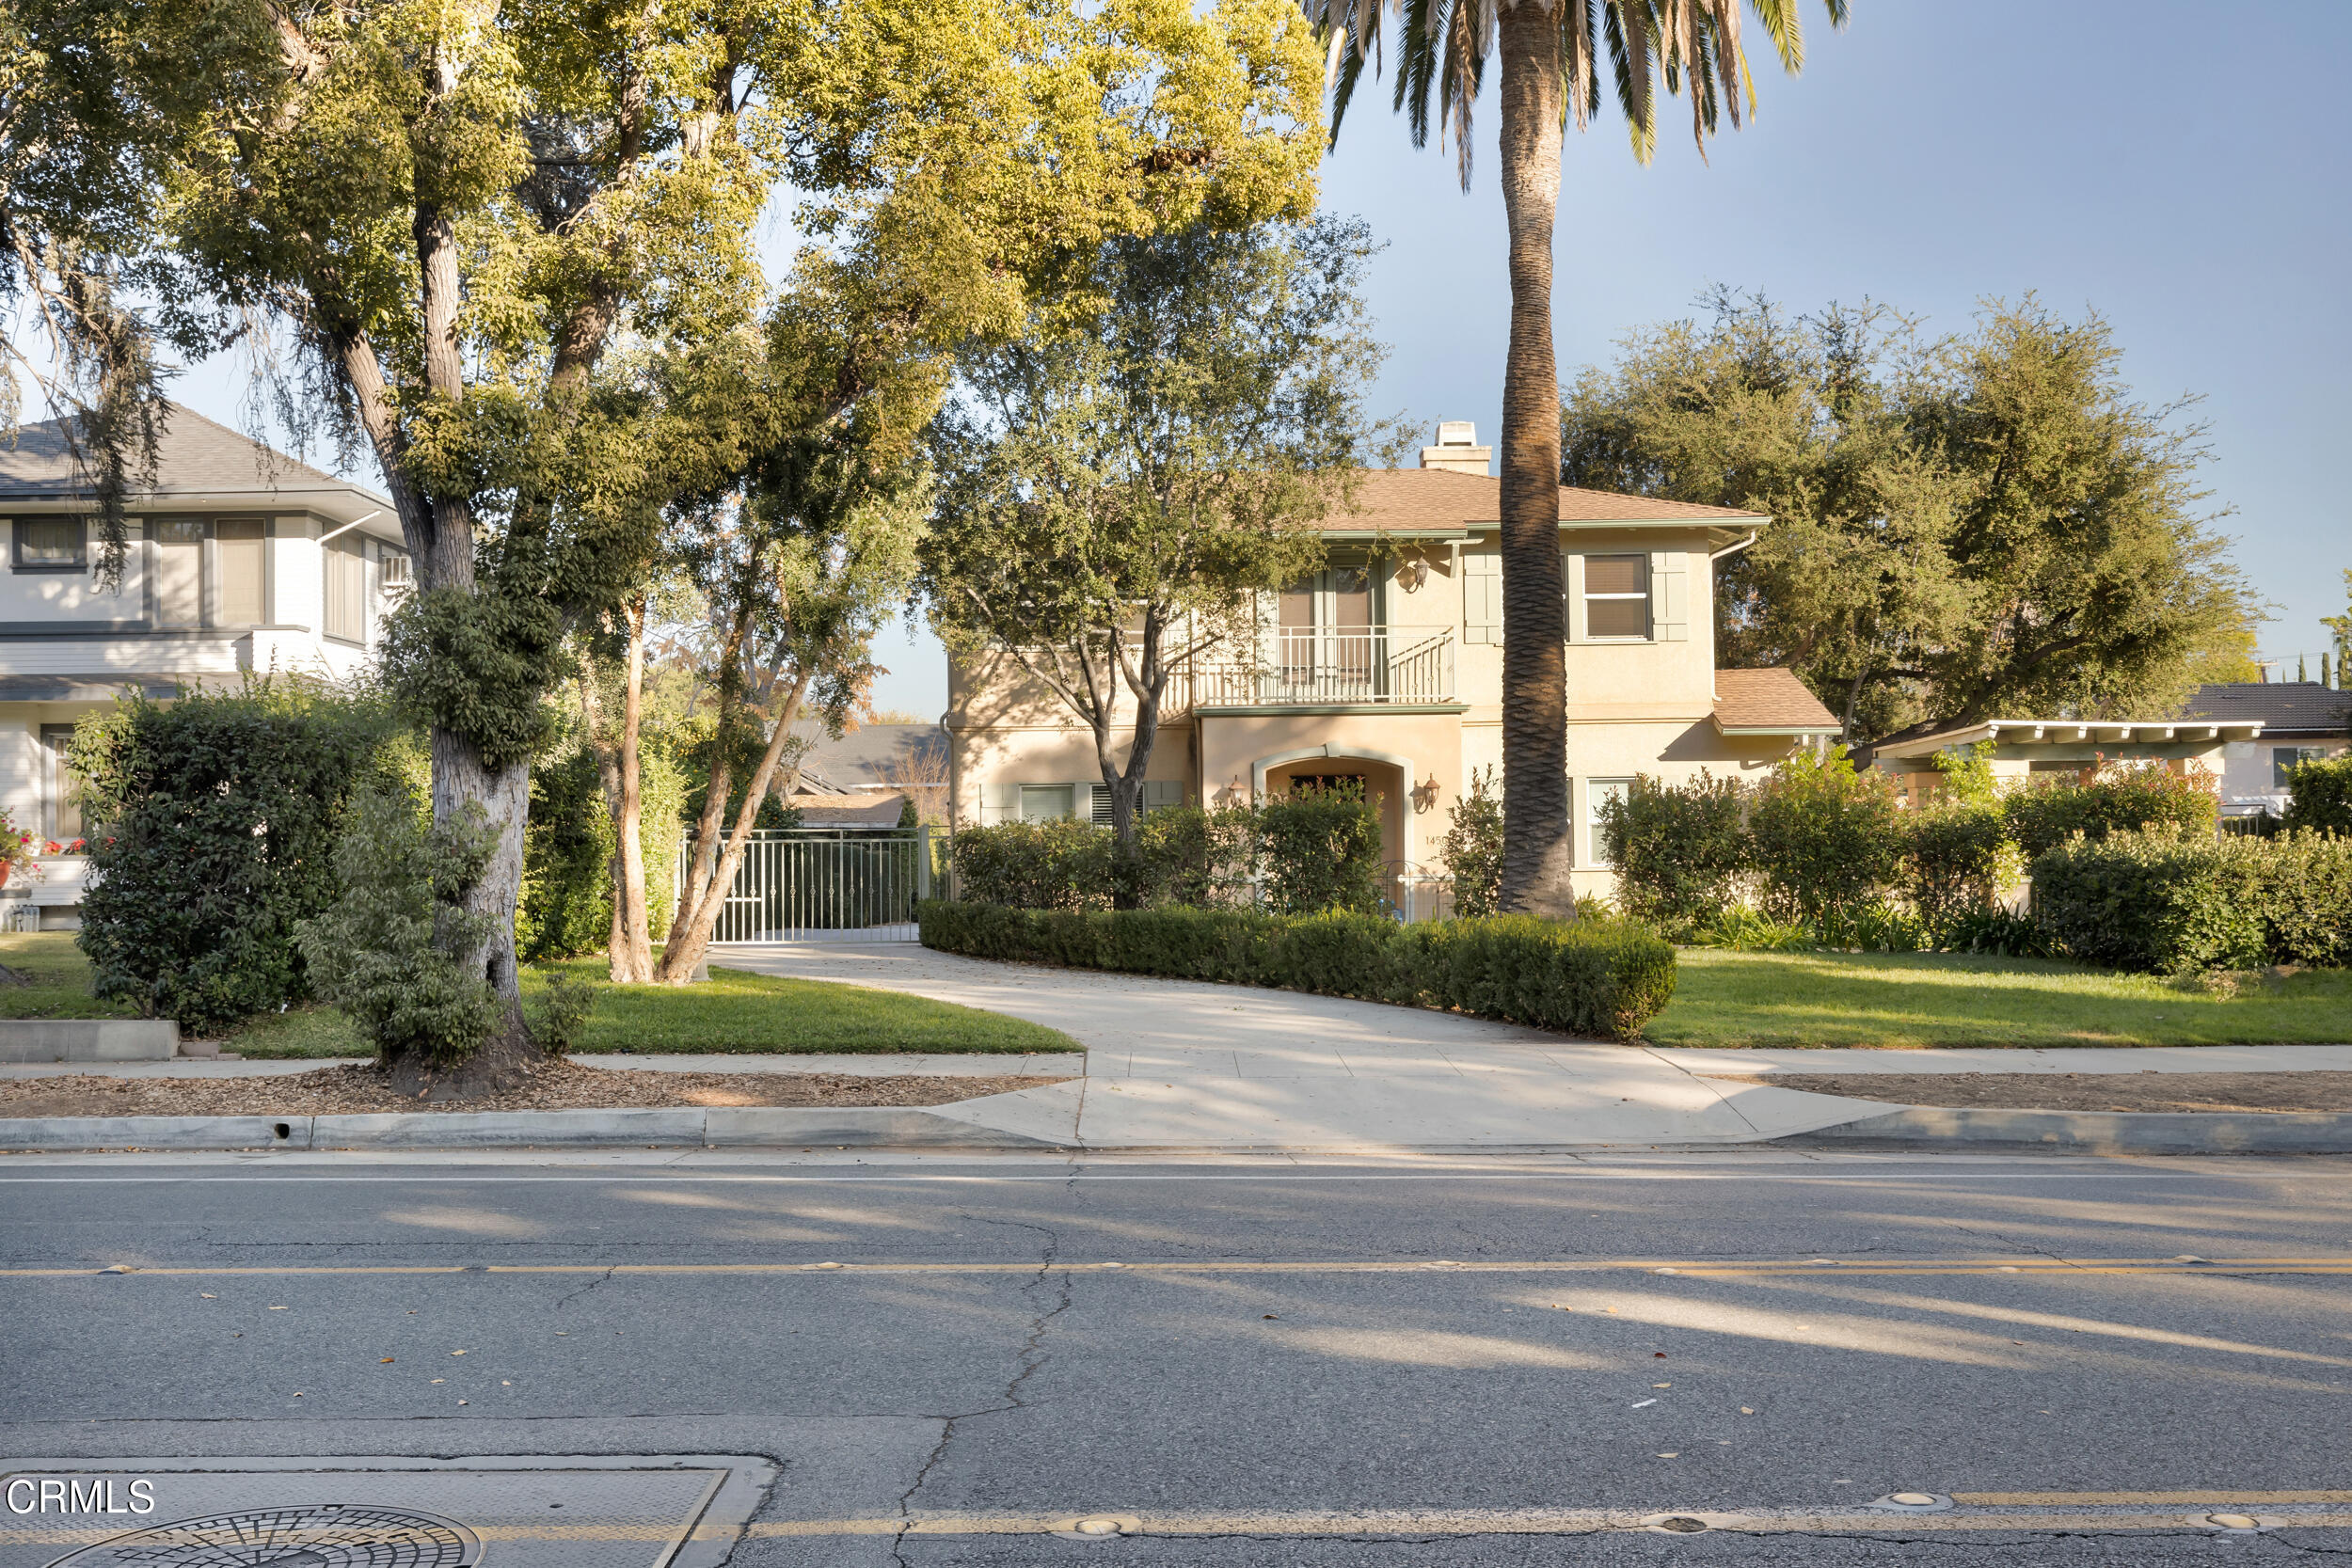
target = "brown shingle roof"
x: 194, y: 456
x: 1409, y: 498
x: 1767, y: 700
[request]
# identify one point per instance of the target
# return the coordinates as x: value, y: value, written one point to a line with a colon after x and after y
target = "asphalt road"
x: 1424, y: 1362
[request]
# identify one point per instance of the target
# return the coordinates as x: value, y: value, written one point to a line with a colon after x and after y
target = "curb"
x: 1928, y: 1127
x: 868, y: 1127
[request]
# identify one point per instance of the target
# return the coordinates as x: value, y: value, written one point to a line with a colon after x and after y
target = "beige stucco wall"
x: 1634, y: 706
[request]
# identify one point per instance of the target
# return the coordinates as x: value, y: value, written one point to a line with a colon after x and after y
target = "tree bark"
x: 1537, y: 846
x: 628, y: 826
x: 698, y: 914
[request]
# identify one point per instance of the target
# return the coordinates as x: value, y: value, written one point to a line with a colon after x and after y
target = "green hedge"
x: 2320, y: 796
x: 2045, y: 814
x: 2173, y: 901
x: 1593, y: 977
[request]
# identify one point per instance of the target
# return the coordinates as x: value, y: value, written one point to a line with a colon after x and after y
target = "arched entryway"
x: 1386, y: 775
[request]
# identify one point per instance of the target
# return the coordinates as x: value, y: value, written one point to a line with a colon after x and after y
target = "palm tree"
x: 1550, y: 50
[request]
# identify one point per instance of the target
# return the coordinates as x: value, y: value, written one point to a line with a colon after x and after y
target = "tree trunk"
x: 698, y: 913
x: 1537, y: 846
x: 628, y: 823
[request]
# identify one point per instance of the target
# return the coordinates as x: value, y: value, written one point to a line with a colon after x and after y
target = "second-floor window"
x: 48, y: 545
x: 1616, y: 595
x: 210, y: 571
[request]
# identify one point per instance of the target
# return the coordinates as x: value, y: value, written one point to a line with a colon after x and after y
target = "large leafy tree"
x: 1966, y: 527
x: 459, y: 207
x: 1551, y: 55
x: 1118, y: 482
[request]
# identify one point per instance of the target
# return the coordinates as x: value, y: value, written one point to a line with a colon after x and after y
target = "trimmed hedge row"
x: 1591, y: 977
x: 2174, y: 902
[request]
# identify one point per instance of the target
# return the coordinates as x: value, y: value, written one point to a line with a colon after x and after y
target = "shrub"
x: 2320, y: 796
x: 1592, y: 976
x: 2168, y: 900
x: 563, y: 1011
x: 2307, y: 898
x: 1679, y: 849
x: 2114, y: 799
x: 213, y: 824
x: 1197, y: 856
x: 1035, y: 865
x: 1956, y: 860
x: 566, y: 904
x: 1320, y: 850
x: 372, y: 954
x: 1472, y: 849
x: 1824, y: 837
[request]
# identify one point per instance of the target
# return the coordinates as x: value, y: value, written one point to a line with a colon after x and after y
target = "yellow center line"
x: 1701, y: 1268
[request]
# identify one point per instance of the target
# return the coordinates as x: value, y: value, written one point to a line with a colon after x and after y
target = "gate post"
x: 923, y: 863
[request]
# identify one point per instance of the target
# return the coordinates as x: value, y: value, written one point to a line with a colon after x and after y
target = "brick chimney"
x: 1457, y: 450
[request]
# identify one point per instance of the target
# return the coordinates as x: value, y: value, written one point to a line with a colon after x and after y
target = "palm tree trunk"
x: 1536, y: 845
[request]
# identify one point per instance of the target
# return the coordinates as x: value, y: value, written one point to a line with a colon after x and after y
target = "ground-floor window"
x: 1598, y: 793
x: 1045, y: 802
x: 2284, y: 758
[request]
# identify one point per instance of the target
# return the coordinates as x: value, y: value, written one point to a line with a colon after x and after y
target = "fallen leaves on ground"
x: 362, y: 1089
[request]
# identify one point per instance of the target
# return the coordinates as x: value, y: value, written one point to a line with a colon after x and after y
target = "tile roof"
x: 2289, y: 707
x: 1772, y: 699
x: 193, y: 456
x: 1413, y: 498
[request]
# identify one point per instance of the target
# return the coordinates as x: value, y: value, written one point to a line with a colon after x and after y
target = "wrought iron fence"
x: 820, y: 884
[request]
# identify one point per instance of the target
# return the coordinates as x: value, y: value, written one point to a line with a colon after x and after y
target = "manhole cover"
x: 332, y: 1536
x: 663, y: 1511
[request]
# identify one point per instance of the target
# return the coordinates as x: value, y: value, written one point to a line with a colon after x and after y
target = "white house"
x: 240, y: 557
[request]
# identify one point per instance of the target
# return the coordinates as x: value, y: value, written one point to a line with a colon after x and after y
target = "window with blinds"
x: 346, y: 592
x: 1616, y: 595
x: 238, y: 545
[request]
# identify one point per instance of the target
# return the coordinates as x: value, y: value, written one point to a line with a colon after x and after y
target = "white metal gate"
x: 822, y: 884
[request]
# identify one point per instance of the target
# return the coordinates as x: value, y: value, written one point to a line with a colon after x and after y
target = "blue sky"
x: 2178, y: 167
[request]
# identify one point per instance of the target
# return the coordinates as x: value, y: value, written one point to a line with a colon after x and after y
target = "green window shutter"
x: 1482, y: 598
x: 1669, y: 596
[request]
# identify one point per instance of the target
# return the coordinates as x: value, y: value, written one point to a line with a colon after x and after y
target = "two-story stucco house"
x: 240, y: 557
x: 1387, y: 667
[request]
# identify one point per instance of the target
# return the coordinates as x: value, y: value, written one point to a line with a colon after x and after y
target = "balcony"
x: 1376, y: 667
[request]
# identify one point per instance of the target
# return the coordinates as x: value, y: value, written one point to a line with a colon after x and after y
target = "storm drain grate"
x: 640, y: 1512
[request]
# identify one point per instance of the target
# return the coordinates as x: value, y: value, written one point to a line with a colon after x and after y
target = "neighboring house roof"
x: 194, y: 457
x: 2074, y: 732
x: 1435, y: 502
x: 872, y: 756
x: 849, y: 811
x: 2281, y: 708
x: 1769, y: 702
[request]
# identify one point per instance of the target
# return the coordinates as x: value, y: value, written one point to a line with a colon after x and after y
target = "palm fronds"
x: 1443, y: 45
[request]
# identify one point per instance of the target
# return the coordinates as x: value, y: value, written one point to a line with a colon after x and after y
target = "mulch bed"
x: 556, y: 1086
x: 2145, y: 1090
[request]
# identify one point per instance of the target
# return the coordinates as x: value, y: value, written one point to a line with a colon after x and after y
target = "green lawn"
x: 1927, y: 999
x: 60, y: 977
x: 735, y: 1011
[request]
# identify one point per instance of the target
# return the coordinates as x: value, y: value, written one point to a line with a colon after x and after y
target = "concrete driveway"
x: 1178, y: 1064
